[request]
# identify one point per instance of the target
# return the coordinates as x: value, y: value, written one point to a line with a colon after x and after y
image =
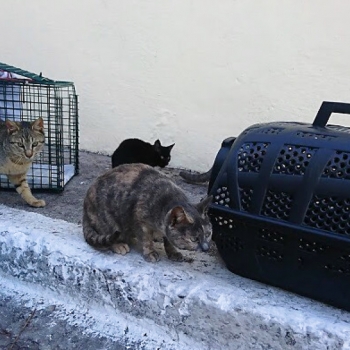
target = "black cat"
x: 138, y: 151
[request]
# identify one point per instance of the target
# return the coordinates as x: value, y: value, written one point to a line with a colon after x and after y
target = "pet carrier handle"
x: 326, y: 109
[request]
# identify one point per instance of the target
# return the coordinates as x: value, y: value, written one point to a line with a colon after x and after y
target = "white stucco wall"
x: 186, y: 71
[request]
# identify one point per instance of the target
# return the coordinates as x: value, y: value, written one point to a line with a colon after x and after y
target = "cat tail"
x: 196, y: 178
x: 99, y: 241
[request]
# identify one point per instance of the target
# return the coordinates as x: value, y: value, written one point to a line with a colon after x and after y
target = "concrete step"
x: 128, y: 302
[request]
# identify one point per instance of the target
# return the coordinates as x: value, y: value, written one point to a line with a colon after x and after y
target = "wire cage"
x: 25, y: 96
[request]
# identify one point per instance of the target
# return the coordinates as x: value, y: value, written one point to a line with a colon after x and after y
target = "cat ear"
x: 12, y: 127
x: 157, y: 145
x: 178, y: 216
x: 38, y: 125
x: 171, y: 146
x: 203, y: 205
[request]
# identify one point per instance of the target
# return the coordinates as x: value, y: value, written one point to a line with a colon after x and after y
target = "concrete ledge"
x: 148, y: 306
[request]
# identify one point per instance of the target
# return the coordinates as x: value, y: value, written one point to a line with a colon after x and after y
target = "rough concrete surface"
x: 56, y: 292
x: 31, y: 324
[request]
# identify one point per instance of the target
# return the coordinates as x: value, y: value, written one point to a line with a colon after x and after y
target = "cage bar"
x: 25, y: 96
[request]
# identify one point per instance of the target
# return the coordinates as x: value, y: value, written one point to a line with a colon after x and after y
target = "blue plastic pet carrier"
x: 281, y: 208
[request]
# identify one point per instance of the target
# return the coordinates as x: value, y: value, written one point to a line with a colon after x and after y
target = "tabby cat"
x: 134, y: 203
x: 196, y: 178
x: 20, y: 143
x: 138, y: 151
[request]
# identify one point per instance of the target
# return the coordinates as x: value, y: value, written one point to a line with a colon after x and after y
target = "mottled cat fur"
x: 134, y: 203
x: 138, y: 151
x: 196, y: 178
x: 20, y: 143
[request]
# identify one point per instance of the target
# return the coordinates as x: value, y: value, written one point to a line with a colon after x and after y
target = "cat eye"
x: 20, y: 144
x: 34, y: 144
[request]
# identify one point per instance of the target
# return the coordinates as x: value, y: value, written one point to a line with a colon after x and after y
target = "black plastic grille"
x: 271, y: 236
x: 330, y: 214
x: 251, y: 156
x: 246, y: 197
x: 338, y: 167
x: 222, y: 196
x: 270, y: 131
x: 312, y: 246
x: 293, y: 160
x: 224, y: 222
x: 269, y: 253
x: 232, y: 243
x: 277, y: 205
x: 315, y: 135
x: 340, y: 265
x: 345, y: 257
x: 338, y: 268
x: 225, y: 238
x: 250, y: 129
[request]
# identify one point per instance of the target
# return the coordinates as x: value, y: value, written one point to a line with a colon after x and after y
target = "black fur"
x: 138, y: 151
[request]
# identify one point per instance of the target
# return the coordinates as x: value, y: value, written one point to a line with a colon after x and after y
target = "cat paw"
x: 121, y: 248
x: 39, y: 203
x: 177, y: 256
x: 152, y: 257
x: 188, y: 260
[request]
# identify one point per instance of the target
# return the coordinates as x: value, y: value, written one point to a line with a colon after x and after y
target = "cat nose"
x: 29, y: 153
x: 205, y: 246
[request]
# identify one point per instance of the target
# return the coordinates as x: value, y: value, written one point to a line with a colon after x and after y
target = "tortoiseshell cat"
x: 20, y: 143
x: 134, y: 202
x: 138, y: 151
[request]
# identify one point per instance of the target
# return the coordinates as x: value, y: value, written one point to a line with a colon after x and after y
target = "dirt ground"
x: 68, y: 205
